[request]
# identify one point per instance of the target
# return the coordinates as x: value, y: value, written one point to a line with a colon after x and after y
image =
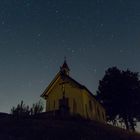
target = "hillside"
x: 52, y: 129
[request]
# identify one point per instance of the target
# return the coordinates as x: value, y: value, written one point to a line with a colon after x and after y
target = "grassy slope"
x: 46, y: 129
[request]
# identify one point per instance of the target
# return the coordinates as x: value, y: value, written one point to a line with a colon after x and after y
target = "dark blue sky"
x: 35, y: 35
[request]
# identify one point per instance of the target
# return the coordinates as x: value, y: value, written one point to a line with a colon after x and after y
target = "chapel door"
x: 63, y: 105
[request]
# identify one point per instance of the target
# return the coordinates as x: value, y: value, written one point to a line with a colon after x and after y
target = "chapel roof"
x: 64, y: 76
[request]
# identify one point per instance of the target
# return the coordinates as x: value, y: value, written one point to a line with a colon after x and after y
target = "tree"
x: 119, y: 92
x: 22, y: 110
x: 36, y: 108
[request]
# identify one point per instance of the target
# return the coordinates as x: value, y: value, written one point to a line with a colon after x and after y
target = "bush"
x: 22, y: 110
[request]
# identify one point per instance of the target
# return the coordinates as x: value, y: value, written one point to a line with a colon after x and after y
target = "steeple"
x: 64, y: 68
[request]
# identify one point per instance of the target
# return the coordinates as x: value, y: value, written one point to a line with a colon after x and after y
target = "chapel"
x: 66, y: 95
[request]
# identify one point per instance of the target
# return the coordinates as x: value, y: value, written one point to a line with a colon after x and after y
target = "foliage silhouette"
x: 36, y: 108
x: 22, y: 110
x: 119, y: 92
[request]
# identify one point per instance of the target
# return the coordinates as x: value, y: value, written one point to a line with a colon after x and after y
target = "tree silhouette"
x: 36, y: 108
x: 22, y: 110
x: 119, y: 92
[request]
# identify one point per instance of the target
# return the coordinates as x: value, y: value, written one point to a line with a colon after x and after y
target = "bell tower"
x: 65, y: 68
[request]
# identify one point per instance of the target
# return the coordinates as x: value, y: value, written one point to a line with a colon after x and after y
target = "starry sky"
x: 35, y: 35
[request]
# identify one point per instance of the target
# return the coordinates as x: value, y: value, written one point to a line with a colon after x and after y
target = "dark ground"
x: 59, y: 129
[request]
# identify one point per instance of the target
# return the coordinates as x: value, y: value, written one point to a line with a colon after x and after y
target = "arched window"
x: 90, y: 105
x: 98, y: 113
x: 103, y: 115
x: 74, y: 106
x: 86, y: 111
x: 54, y: 105
x: 48, y: 106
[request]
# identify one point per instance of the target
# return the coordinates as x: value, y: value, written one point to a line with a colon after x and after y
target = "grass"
x: 55, y: 129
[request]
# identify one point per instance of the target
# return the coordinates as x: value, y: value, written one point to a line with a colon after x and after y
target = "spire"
x: 64, y: 68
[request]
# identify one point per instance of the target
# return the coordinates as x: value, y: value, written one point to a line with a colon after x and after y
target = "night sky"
x: 35, y: 35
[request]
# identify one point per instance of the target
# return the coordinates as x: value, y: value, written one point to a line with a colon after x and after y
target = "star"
x: 3, y: 22
x: 73, y: 51
x: 38, y: 34
x: 121, y: 51
x: 56, y: 11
